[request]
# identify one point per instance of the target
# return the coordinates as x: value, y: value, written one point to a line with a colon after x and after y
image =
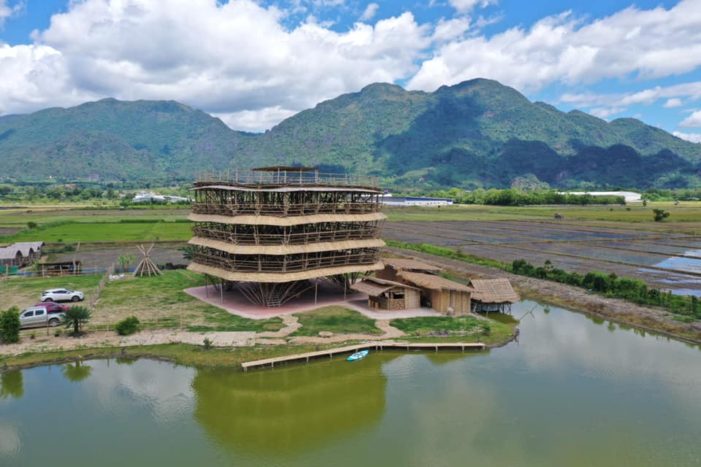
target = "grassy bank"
x: 457, y: 329
x: 182, y: 354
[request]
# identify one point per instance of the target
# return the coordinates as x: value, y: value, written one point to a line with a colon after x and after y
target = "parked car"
x: 53, y: 307
x: 62, y: 295
x: 37, y: 316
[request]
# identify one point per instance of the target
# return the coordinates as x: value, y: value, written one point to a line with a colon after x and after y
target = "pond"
x: 572, y: 391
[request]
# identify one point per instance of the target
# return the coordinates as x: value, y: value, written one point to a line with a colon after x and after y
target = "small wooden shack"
x: 62, y: 268
x: 441, y: 294
x: 388, y: 295
x: 493, y: 295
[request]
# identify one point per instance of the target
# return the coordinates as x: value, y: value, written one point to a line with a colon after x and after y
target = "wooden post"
x: 221, y: 290
x: 316, y: 291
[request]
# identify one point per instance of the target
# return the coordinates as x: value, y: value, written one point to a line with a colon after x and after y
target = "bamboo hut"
x: 493, y: 295
x: 441, y: 294
x: 388, y: 295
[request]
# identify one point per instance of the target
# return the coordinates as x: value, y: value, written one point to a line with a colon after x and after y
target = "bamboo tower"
x: 146, y: 266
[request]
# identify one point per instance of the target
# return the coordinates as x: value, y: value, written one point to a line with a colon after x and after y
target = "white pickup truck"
x: 39, y: 317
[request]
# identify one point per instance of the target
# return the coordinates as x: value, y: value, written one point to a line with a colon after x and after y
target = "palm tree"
x: 75, y: 317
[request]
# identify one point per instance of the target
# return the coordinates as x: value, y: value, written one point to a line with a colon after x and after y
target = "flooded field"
x: 665, y: 260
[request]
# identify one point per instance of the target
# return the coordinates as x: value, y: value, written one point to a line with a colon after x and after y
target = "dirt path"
x: 647, y: 318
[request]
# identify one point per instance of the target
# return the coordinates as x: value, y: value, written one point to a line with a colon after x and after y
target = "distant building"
x: 20, y: 254
x: 389, y: 200
x: 628, y: 196
x: 151, y: 197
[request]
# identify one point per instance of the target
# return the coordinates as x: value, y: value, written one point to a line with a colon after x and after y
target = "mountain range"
x: 476, y: 133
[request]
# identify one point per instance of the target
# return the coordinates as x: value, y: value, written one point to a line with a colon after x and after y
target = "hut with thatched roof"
x: 493, y: 295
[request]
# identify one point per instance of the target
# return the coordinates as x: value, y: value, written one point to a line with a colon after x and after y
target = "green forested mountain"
x: 477, y: 133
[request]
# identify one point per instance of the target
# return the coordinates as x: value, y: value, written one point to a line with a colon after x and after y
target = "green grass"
x: 684, y: 212
x: 160, y: 302
x: 73, y: 232
x: 70, y: 213
x: 25, y: 291
x: 459, y: 329
x: 335, y: 319
x: 217, y: 319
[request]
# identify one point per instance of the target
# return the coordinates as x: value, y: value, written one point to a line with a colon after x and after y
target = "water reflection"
x: 11, y: 384
x: 290, y: 409
x: 77, y: 371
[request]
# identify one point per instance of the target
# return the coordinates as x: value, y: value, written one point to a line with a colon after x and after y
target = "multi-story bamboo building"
x: 270, y: 231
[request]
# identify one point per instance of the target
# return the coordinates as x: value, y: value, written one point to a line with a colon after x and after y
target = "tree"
x: 660, y: 214
x: 9, y: 326
x: 76, y: 317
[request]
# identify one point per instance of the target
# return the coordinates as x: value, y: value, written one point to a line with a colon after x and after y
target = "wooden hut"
x: 388, y: 295
x: 441, y: 294
x: 60, y: 268
x: 493, y: 295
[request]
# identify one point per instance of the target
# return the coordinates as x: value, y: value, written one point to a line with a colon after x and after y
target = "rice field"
x: 663, y: 259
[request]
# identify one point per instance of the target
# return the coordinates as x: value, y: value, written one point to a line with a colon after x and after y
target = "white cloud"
x: 645, y: 43
x: 7, y: 10
x: 673, y: 94
x: 464, y: 6
x: 234, y: 59
x: 451, y: 29
x: 254, y: 120
x: 693, y: 137
x: 692, y: 121
x: 370, y: 12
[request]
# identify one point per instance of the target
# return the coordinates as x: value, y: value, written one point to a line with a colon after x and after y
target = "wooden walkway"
x: 271, y: 362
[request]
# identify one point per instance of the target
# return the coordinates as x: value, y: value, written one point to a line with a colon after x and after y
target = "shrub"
x: 660, y: 214
x: 207, y: 343
x: 32, y: 225
x: 76, y: 317
x: 127, y: 326
x: 9, y: 326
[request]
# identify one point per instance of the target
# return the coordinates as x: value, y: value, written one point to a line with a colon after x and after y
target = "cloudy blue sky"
x: 253, y: 63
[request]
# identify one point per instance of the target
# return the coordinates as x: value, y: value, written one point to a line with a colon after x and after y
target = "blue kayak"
x: 358, y: 355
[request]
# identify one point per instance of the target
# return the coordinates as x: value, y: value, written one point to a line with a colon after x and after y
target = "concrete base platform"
x: 328, y: 295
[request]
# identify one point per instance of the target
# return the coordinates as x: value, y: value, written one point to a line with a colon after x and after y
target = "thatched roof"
x: 431, y: 282
x: 494, y: 291
x: 375, y: 286
x: 405, y: 264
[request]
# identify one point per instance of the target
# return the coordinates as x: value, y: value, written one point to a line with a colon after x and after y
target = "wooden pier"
x: 330, y: 353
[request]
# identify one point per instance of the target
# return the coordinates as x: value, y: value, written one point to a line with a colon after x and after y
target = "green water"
x: 571, y: 392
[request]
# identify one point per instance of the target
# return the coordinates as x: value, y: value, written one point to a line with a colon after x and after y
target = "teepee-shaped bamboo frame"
x: 146, y: 266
